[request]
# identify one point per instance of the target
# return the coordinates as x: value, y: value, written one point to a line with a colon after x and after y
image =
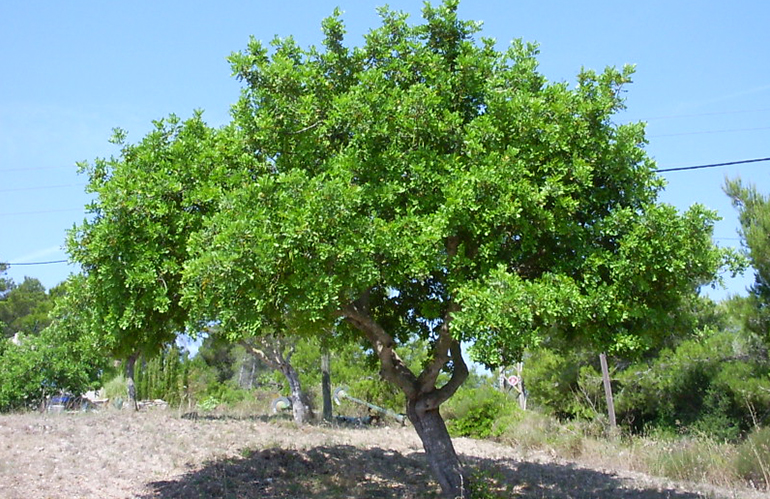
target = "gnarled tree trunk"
x: 300, y: 405
x: 130, y: 363
x: 423, y: 397
x: 277, y: 354
x: 439, y: 450
x: 326, y: 385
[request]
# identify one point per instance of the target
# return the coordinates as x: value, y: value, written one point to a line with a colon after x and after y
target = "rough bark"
x: 326, y: 386
x: 271, y: 353
x: 439, y: 450
x: 130, y: 363
x: 300, y: 405
x: 423, y: 397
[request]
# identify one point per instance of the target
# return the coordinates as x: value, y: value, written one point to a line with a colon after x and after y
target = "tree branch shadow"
x: 324, y: 472
x: 524, y: 479
x: 344, y: 471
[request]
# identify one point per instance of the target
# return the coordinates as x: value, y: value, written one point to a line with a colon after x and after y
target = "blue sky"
x: 71, y: 71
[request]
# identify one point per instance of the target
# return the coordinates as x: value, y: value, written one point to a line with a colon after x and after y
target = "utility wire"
x: 713, y: 165
x: 41, y: 187
x: 27, y: 264
x: 697, y: 115
x: 704, y: 132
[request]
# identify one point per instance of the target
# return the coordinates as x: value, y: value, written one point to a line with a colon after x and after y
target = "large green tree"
x: 754, y: 216
x: 149, y: 199
x: 25, y: 308
x: 429, y: 184
x: 65, y: 356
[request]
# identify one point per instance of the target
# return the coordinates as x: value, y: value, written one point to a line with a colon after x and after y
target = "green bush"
x: 116, y: 388
x: 708, y: 385
x: 481, y: 412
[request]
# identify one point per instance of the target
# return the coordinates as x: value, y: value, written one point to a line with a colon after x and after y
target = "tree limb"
x: 393, y: 367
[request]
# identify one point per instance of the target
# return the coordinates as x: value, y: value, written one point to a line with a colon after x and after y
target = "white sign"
x: 513, y: 380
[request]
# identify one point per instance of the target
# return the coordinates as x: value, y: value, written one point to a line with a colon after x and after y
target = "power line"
x: 41, y: 187
x: 29, y: 264
x: 713, y: 165
x: 41, y: 212
x: 698, y: 115
x: 704, y: 132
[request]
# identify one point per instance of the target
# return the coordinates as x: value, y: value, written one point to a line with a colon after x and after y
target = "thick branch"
x: 275, y: 361
x: 393, y: 368
x: 459, y: 375
x: 429, y: 375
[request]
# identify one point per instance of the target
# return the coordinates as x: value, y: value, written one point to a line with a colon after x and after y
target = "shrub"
x: 481, y: 412
x: 116, y: 388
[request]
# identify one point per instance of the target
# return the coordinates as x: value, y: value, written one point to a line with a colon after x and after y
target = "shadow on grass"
x: 318, y: 473
x: 522, y: 479
x: 344, y: 471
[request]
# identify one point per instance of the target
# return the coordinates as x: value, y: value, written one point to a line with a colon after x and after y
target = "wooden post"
x: 608, y: 391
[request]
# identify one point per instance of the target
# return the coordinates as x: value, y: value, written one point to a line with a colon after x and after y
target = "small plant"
x: 485, y: 485
x: 481, y: 412
x: 116, y: 388
x: 208, y: 404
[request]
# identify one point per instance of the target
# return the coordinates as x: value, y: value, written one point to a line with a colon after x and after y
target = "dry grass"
x: 156, y: 454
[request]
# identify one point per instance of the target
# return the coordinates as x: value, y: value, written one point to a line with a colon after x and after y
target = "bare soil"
x: 157, y: 454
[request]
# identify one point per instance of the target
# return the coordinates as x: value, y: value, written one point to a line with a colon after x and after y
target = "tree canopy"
x: 24, y: 308
x: 754, y: 216
x: 424, y: 184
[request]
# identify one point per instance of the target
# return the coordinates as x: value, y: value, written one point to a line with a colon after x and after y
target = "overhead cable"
x: 27, y: 264
x: 713, y: 165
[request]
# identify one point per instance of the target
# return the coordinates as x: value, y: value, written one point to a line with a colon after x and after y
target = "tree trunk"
x: 439, y: 450
x: 300, y: 405
x: 130, y: 382
x: 326, y: 386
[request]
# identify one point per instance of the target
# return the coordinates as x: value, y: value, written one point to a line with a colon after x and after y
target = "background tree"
x: 427, y: 184
x: 65, y: 356
x: 25, y: 308
x: 5, y: 282
x: 754, y: 216
x: 148, y: 201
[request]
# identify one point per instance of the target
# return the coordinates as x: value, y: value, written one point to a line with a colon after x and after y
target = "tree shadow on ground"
x: 523, y: 479
x: 344, y: 471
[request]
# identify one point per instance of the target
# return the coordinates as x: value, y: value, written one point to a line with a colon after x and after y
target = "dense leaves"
x: 754, y: 215
x: 422, y: 185
x: 24, y: 308
x: 65, y: 356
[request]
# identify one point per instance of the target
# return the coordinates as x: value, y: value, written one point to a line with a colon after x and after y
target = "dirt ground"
x: 157, y: 454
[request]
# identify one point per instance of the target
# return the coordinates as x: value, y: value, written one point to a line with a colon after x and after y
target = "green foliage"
x: 116, y: 388
x: 208, y: 404
x: 24, y: 308
x: 46, y: 364
x: 148, y: 201
x: 481, y: 412
x: 754, y: 215
x: 563, y: 384
x: 715, y: 384
x: 62, y: 357
x: 162, y: 376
